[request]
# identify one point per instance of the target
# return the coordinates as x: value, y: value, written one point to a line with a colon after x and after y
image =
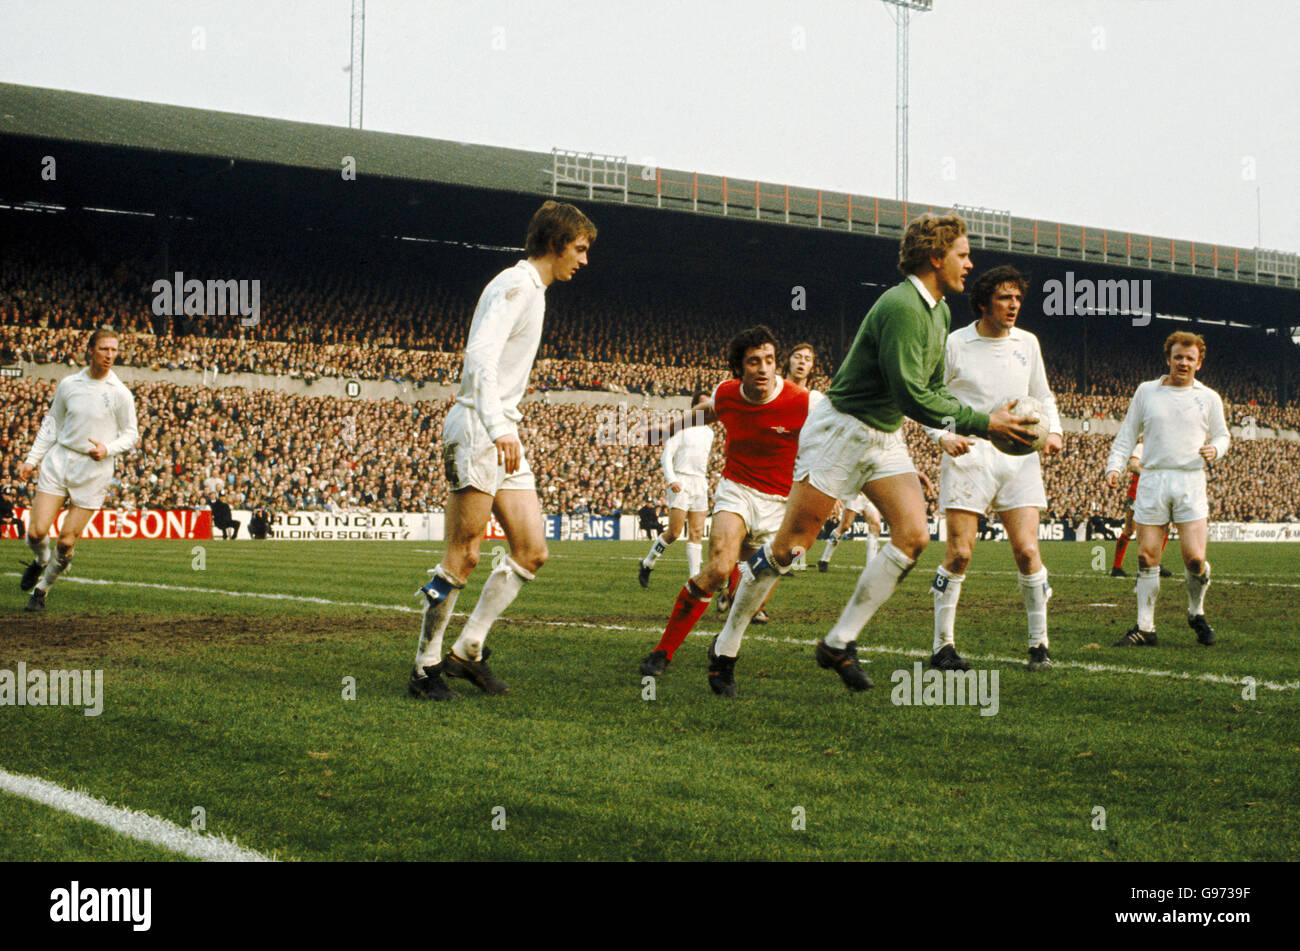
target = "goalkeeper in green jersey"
x: 853, y: 440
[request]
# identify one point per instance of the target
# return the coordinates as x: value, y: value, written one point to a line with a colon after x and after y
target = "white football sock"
x: 1036, y: 593
x: 40, y: 549
x: 694, y: 555
x: 53, y: 568
x: 829, y: 550
x: 873, y: 546
x: 945, y: 590
x: 1196, y: 591
x: 428, y: 651
x: 502, y: 586
x: 750, y: 595
x: 876, y: 583
x: 656, y: 551
x: 1148, y: 590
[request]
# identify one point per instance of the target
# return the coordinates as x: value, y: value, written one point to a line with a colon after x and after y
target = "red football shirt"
x: 762, y: 438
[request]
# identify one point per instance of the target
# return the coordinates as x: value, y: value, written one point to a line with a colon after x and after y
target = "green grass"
x: 236, y: 704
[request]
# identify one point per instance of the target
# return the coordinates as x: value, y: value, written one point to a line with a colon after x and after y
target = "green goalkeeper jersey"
x: 895, y: 368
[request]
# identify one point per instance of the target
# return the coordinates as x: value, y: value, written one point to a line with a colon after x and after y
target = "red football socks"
x: 1121, y: 546
x: 733, y: 581
x: 686, y: 612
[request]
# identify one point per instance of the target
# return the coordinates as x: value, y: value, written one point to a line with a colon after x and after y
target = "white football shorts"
x: 694, y: 496
x: 469, y: 457
x: 985, y: 478
x: 863, y: 506
x: 75, y: 476
x: 762, y: 513
x: 839, y: 454
x: 1171, y: 495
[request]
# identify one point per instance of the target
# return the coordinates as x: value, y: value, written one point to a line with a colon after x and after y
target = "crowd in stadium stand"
x: 264, y: 448
x: 384, y: 314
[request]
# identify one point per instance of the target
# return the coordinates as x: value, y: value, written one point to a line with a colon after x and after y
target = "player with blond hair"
x: 1182, y: 427
x: 853, y: 440
x: 90, y: 423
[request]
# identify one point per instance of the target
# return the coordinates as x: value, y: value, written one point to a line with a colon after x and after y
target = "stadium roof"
x: 101, y: 120
x: 228, y: 168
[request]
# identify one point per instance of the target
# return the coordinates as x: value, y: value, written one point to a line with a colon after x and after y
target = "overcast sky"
x: 1160, y: 117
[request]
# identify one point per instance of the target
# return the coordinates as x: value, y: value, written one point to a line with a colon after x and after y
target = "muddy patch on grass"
x: 71, y: 638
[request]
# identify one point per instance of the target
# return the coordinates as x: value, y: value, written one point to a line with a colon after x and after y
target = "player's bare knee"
x: 957, y: 560
x: 912, y: 542
x: 1027, y: 559
x: 531, y: 559
x: 462, y: 562
x: 711, y: 578
x: 670, y: 535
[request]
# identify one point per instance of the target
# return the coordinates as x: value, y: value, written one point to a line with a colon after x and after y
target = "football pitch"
x: 256, y: 692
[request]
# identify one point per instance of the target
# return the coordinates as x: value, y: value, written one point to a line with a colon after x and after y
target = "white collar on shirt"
x: 531, y: 271
x: 925, y: 295
x: 972, y: 333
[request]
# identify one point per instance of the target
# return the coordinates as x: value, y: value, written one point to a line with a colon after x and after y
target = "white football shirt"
x: 985, y: 372
x: 1173, y: 422
x: 686, y: 453
x: 503, y: 340
x: 86, y: 409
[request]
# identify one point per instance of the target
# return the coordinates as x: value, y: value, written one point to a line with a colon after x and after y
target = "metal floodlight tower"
x: 901, y: 19
x: 357, y: 68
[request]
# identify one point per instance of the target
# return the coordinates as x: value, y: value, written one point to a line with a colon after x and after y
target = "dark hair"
x: 981, y: 294
x: 554, y: 225
x: 747, y: 340
x: 802, y: 345
x: 929, y: 236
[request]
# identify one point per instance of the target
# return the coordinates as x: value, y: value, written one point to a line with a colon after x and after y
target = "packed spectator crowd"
x: 264, y: 448
x: 387, y: 313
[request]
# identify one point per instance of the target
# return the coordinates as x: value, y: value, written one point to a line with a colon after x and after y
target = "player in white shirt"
x: 1182, y: 428
x: 91, y: 421
x: 487, y: 473
x: 1130, y: 528
x: 685, y: 463
x: 858, y: 505
x: 798, y: 369
x: 987, y: 363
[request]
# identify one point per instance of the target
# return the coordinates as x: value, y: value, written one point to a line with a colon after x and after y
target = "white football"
x: 1024, y: 406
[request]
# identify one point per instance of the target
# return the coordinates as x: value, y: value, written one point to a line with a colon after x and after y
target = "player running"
x: 685, y: 463
x: 852, y: 508
x: 1130, y: 496
x: 486, y: 470
x: 853, y: 440
x: 762, y: 414
x: 986, y: 362
x: 90, y: 423
x: 1181, y: 424
x: 798, y: 369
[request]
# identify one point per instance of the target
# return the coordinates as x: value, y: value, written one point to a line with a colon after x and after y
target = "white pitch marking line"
x: 128, y: 822
x: 1063, y: 574
x: 1095, y: 668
